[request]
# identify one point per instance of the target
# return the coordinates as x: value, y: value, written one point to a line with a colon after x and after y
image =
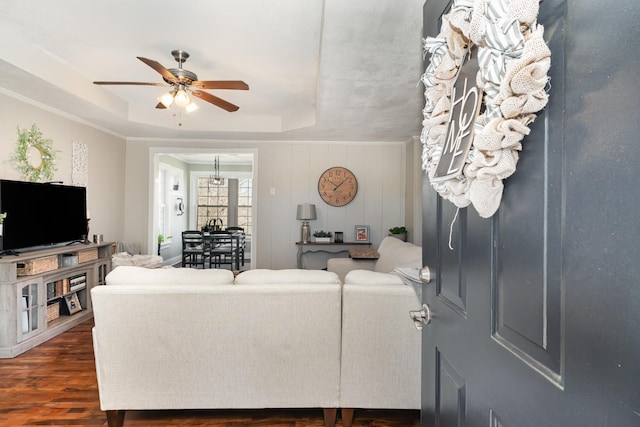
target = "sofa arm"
x: 342, y: 266
x: 378, y: 336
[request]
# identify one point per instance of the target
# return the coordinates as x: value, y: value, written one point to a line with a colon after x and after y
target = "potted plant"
x: 161, y: 239
x: 322, y: 236
x: 399, y: 233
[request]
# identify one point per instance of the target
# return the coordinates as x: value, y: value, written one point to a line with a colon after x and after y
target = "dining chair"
x: 195, y: 251
x: 243, y: 239
x: 222, y: 249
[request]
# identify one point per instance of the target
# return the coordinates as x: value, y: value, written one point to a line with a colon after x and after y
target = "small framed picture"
x: 73, y: 303
x: 362, y: 233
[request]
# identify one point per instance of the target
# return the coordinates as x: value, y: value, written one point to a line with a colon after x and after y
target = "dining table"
x: 225, y: 243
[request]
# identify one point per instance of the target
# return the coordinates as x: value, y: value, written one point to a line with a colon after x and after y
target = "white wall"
x: 291, y: 171
x: 106, y: 160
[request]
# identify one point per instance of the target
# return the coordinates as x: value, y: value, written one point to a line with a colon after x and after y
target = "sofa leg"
x: 115, y: 418
x: 347, y: 416
x: 330, y: 416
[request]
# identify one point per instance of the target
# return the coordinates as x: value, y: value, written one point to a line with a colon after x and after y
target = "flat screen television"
x: 40, y: 215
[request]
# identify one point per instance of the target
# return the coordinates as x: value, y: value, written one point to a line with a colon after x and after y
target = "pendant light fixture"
x: 216, y: 179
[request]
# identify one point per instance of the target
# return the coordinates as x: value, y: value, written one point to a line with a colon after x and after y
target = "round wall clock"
x: 337, y: 186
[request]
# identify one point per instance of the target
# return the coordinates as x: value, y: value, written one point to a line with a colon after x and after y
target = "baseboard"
x: 176, y: 260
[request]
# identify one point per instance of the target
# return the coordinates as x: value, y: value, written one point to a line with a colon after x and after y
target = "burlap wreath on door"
x: 514, y: 61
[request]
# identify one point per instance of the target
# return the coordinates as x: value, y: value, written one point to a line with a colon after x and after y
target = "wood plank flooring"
x: 55, y: 384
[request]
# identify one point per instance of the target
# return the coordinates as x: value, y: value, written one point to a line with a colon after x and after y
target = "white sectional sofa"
x: 378, y: 336
x: 380, y: 361
x: 200, y: 339
x: 393, y: 253
x: 192, y: 339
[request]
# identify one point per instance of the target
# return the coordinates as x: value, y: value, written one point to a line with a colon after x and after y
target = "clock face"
x: 337, y: 186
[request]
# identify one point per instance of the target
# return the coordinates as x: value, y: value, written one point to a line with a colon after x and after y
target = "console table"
x: 46, y: 292
x: 327, y: 247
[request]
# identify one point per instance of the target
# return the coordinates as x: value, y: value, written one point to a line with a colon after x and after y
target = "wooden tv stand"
x: 46, y: 292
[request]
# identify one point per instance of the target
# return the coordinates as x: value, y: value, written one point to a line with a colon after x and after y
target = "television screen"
x: 41, y: 214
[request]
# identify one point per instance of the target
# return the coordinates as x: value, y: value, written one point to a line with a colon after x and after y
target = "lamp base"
x: 305, y: 232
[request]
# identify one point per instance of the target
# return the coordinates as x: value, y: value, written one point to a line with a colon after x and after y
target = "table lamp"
x: 305, y: 213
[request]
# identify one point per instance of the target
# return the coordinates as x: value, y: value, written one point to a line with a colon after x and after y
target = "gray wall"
x: 106, y: 181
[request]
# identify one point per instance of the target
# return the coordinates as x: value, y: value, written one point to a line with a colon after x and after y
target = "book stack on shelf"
x: 77, y: 282
x: 65, y: 289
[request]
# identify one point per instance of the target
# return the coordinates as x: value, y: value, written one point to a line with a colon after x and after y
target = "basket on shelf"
x: 88, y: 255
x: 53, y: 311
x: 38, y: 265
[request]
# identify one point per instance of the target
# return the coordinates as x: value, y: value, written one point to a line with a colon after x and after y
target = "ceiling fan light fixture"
x: 166, y: 99
x: 182, y: 81
x: 191, y: 106
x: 181, y: 98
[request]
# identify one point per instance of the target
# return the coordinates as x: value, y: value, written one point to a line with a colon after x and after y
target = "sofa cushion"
x: 286, y: 277
x: 396, y: 253
x: 367, y: 277
x: 132, y: 275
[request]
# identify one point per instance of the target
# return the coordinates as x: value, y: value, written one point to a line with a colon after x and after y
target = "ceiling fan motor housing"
x: 184, y: 76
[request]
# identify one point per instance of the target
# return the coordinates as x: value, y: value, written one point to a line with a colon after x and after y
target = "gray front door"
x: 536, y: 311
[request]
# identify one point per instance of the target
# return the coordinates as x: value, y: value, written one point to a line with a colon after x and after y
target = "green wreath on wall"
x: 34, y: 156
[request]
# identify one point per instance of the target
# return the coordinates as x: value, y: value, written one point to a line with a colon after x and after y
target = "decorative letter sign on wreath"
x: 513, y: 64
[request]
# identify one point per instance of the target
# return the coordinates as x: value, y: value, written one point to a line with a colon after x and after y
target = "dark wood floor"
x: 55, y: 384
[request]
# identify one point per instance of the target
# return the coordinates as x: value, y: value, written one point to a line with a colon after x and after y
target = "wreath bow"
x: 514, y: 61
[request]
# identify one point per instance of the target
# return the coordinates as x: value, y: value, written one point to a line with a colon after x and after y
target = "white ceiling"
x: 332, y: 70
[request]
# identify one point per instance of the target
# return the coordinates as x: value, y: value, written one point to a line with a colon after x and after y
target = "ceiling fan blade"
x: 160, y: 69
x: 215, y: 100
x: 161, y: 106
x: 131, y: 83
x: 221, y: 84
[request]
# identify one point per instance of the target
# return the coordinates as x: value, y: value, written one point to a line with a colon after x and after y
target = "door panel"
x: 527, y: 258
x: 535, y: 311
x: 451, y: 288
x: 451, y: 388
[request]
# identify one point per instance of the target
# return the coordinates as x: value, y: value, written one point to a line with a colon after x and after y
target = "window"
x: 167, y: 185
x: 213, y: 201
x: 244, y: 205
x: 230, y: 202
x: 163, y: 218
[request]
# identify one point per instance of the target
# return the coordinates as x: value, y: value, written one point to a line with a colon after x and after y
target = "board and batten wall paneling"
x: 281, y: 240
x: 301, y: 185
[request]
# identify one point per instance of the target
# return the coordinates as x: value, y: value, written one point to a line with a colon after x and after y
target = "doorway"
x: 193, y: 187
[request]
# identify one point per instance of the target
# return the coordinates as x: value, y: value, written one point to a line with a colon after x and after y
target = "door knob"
x: 421, y: 317
x: 425, y: 274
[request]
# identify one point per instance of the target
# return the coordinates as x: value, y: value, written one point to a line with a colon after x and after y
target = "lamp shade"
x: 306, y: 212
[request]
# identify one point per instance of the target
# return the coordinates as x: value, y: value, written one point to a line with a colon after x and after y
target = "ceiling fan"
x: 183, y: 81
